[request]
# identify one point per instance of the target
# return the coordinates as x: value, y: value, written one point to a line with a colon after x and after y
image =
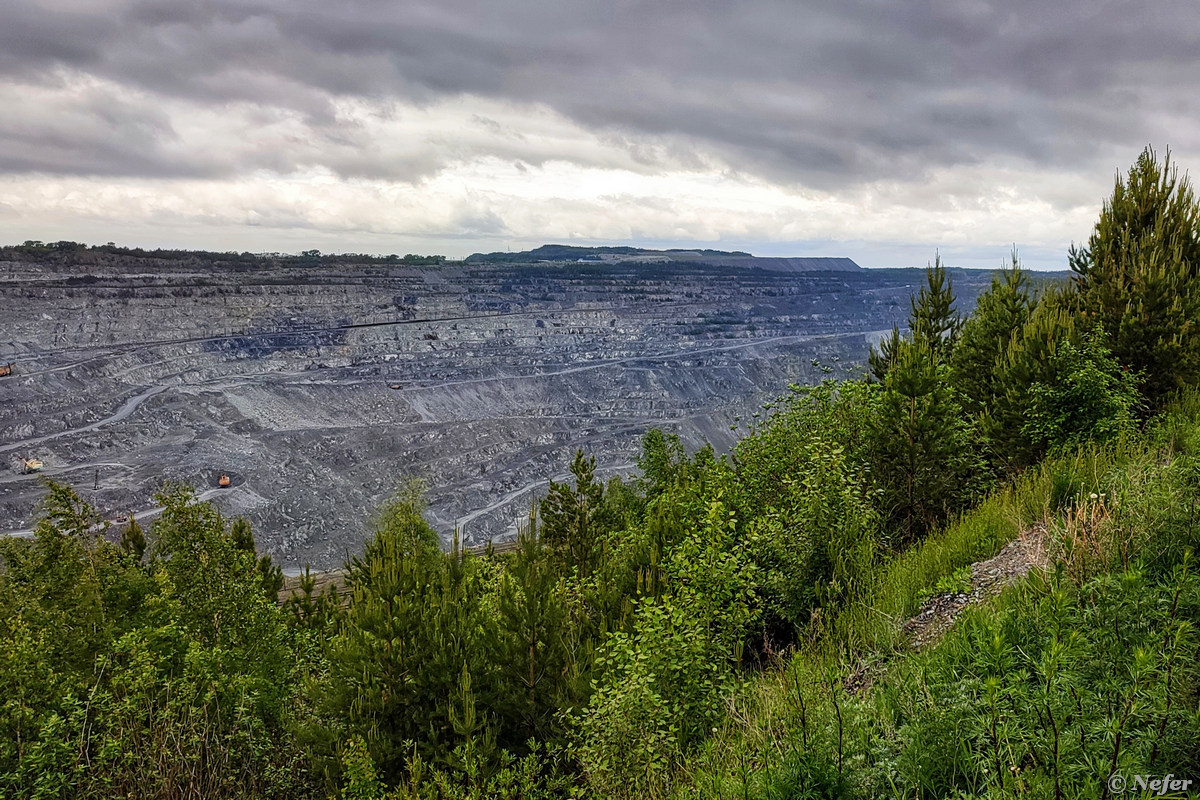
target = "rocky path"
x: 1027, y: 552
x: 925, y: 628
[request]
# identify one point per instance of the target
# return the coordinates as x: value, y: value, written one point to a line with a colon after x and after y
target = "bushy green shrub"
x: 1087, y: 397
x: 170, y: 677
x: 812, y: 513
x: 661, y: 685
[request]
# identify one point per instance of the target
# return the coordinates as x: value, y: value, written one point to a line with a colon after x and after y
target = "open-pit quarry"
x: 319, y: 386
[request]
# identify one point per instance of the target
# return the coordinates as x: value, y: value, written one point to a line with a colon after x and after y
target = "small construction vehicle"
x: 224, y: 481
x: 29, y: 465
x: 6, y: 369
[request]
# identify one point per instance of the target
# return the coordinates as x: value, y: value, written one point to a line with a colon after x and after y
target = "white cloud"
x: 485, y: 202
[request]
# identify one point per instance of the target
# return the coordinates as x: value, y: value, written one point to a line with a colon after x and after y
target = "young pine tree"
x: 133, y: 539
x: 1138, y: 276
x: 933, y: 321
x: 921, y: 454
x: 987, y: 335
x: 1028, y: 362
x: 409, y: 669
x: 309, y: 609
x: 269, y: 575
x: 882, y: 360
x: 572, y: 517
x: 534, y: 642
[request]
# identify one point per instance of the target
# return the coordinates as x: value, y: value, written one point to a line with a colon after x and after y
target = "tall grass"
x: 815, y: 725
x: 894, y: 590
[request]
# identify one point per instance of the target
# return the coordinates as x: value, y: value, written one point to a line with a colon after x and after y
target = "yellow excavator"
x: 29, y: 465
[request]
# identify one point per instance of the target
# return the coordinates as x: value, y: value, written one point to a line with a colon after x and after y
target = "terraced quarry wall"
x: 320, y: 387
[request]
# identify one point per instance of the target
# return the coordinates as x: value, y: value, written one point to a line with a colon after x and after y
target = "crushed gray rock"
x: 1025, y: 553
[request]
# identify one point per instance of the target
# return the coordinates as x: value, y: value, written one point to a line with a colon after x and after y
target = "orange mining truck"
x: 6, y: 369
x: 223, y: 481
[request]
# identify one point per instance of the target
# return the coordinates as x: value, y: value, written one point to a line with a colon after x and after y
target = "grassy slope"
x: 1061, y: 681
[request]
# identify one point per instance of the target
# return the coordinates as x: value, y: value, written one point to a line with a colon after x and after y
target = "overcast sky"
x: 875, y: 130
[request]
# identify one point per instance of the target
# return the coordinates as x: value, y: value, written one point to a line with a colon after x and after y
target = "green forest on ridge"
x: 717, y: 627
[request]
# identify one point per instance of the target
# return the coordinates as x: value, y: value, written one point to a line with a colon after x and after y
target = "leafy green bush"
x: 1088, y: 397
x: 662, y: 684
x: 812, y: 516
x: 170, y: 677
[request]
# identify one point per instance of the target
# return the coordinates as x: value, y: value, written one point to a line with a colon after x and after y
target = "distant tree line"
x: 64, y: 250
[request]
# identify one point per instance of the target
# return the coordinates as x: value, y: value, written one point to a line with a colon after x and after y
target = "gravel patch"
x: 1027, y: 552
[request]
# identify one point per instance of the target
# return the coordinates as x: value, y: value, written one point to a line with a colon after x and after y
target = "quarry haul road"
x: 462, y: 522
x: 62, y: 470
x: 132, y: 403
x: 652, y: 357
x: 124, y: 411
x: 27, y: 533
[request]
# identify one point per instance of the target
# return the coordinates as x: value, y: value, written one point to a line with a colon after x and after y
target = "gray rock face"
x: 320, y: 388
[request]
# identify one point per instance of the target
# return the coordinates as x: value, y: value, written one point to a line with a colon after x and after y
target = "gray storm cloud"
x: 816, y: 94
